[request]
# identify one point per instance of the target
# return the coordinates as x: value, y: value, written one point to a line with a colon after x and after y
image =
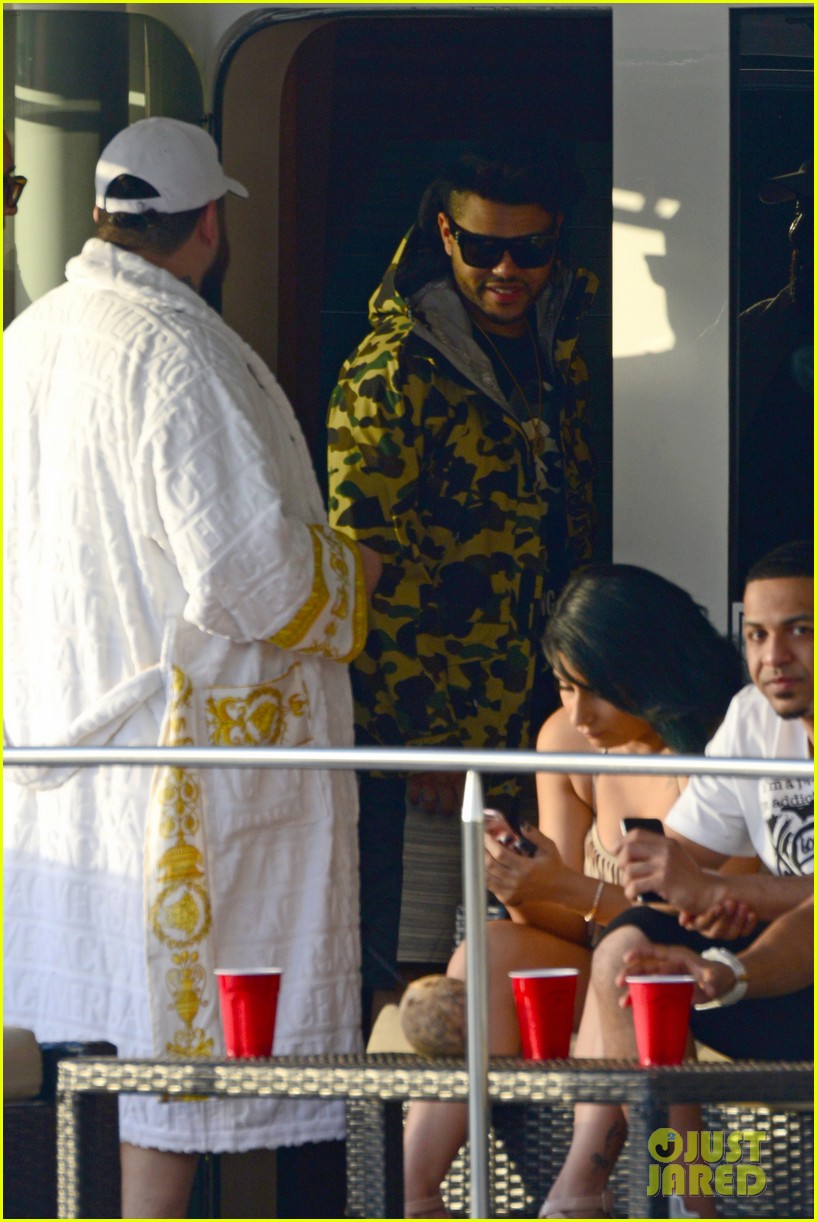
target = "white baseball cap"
x: 179, y: 160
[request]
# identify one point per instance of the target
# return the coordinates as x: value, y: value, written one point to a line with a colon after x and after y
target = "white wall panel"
x: 671, y: 294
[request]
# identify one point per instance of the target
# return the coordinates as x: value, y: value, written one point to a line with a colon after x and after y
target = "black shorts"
x: 762, y: 1028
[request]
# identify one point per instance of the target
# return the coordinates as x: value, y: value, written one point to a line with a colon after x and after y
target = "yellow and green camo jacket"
x: 429, y: 465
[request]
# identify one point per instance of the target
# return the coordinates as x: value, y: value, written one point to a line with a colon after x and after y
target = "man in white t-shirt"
x: 717, y: 817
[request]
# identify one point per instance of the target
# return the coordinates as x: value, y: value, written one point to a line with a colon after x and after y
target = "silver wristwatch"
x: 719, y: 954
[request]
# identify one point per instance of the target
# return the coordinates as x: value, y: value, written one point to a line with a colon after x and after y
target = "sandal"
x: 428, y: 1207
x: 600, y: 1206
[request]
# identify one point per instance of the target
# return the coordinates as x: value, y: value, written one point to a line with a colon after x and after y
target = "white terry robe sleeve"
x: 212, y: 497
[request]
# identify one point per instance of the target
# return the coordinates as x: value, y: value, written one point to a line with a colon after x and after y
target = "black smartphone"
x: 629, y: 824
x: 521, y: 844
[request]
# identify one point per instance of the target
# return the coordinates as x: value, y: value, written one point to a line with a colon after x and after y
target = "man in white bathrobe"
x: 170, y: 578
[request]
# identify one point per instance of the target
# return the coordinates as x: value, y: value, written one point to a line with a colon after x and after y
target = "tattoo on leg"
x: 605, y: 1159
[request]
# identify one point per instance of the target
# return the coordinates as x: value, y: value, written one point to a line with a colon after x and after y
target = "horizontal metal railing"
x: 411, y: 759
x: 401, y: 759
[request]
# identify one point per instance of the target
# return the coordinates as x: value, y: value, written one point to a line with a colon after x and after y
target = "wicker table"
x: 375, y: 1086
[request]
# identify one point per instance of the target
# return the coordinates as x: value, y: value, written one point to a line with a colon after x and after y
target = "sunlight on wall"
x: 640, y: 320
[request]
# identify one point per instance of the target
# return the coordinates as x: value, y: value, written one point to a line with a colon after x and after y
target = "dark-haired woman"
x: 640, y: 670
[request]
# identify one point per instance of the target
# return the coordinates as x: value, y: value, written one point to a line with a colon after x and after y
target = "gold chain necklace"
x: 535, y: 416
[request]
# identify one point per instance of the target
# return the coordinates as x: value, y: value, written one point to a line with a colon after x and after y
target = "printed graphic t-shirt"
x: 740, y: 816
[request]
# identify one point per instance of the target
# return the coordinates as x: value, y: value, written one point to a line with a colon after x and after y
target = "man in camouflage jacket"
x: 471, y: 481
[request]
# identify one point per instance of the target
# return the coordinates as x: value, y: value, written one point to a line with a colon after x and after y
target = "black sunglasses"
x: 13, y: 185
x: 484, y: 250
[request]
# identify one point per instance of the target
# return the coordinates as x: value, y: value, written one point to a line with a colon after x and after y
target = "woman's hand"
x: 514, y: 877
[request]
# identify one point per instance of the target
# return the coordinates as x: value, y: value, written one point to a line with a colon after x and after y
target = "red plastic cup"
x: 545, y: 998
x: 661, y: 1006
x: 249, y: 1001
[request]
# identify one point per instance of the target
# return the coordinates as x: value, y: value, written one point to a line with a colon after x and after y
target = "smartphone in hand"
x: 520, y: 844
x: 629, y: 824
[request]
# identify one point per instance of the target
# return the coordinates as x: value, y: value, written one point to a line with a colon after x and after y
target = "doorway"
x: 338, y: 126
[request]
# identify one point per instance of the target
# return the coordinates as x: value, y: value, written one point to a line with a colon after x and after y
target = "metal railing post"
x: 476, y: 990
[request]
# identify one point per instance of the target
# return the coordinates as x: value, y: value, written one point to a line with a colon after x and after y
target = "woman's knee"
x: 608, y: 957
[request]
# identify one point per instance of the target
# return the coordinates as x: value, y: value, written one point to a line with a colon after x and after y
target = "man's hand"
x: 372, y: 567
x: 658, y: 863
x: 515, y: 878
x: 437, y: 793
x: 728, y: 919
x: 711, y: 979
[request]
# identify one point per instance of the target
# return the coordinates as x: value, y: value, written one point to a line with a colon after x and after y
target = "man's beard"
x: 213, y: 279
x: 794, y: 714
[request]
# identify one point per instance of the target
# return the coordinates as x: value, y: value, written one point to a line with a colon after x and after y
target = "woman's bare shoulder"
x: 557, y: 734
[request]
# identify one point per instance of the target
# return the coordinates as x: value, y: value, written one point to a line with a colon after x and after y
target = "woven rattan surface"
x: 387, y: 1076
x: 528, y: 1142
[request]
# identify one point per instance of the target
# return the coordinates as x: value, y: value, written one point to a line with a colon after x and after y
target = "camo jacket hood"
x: 429, y: 464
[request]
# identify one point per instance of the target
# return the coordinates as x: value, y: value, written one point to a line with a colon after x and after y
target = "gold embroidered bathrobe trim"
x: 180, y: 943
x: 268, y: 713
x: 322, y: 626
x: 184, y: 1005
